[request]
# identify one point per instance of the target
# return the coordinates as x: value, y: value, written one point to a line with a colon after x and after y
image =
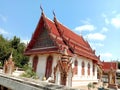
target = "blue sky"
x: 98, y: 21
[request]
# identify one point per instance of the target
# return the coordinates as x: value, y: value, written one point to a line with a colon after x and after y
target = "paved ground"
x: 95, y: 87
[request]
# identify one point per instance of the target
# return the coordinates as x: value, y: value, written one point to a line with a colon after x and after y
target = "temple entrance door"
x: 48, y: 67
x: 35, y: 62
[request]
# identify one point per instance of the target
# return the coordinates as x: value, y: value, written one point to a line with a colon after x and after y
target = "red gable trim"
x: 35, y: 34
x: 43, y: 22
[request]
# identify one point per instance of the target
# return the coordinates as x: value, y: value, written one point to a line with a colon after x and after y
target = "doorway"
x: 48, y: 67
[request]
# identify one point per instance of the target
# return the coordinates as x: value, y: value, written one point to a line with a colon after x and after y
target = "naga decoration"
x: 64, y: 65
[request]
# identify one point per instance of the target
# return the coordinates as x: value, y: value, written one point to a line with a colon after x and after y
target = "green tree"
x: 18, y: 50
x: 15, y: 42
x: 14, y: 45
x: 4, y: 49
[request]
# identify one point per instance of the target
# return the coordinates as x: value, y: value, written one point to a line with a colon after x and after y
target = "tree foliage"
x: 13, y: 45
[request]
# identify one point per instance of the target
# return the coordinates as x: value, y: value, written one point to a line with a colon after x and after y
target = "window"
x: 83, y: 66
x: 49, y: 67
x: 35, y: 62
x: 93, y: 69
x: 88, y: 68
x: 75, y: 67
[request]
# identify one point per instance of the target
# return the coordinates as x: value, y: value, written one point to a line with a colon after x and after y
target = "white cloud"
x: 116, y: 21
x: 114, y: 12
x: 87, y: 27
x: 104, y: 15
x: 2, y: 31
x: 95, y: 36
x: 86, y: 21
x: 106, y: 56
x: 104, y: 29
x: 94, y: 45
x: 106, y: 19
x: 26, y: 41
x: 99, y: 44
x: 3, y: 18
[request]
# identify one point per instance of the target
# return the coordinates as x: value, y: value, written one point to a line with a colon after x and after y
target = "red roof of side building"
x: 62, y: 37
x: 107, y: 66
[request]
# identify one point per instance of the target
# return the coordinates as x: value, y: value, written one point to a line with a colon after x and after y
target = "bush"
x: 29, y: 73
x: 90, y: 85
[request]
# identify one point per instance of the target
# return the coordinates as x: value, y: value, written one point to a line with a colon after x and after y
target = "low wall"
x: 15, y: 83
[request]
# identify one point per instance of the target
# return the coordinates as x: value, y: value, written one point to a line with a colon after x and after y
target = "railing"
x: 15, y: 83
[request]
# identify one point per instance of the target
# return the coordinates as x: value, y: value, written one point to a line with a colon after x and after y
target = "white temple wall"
x: 31, y: 60
x: 80, y: 79
x: 55, y: 59
x: 41, y: 66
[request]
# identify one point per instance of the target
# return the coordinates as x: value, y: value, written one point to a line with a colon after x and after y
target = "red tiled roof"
x: 63, y: 37
x: 72, y: 36
x: 76, y: 42
x: 52, y: 27
x: 109, y: 65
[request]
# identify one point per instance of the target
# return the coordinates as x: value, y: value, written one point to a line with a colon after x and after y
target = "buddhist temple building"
x: 58, y: 53
x: 109, y: 73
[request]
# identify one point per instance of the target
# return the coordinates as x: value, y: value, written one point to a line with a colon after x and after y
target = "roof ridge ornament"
x: 55, y: 20
x: 42, y: 10
x: 99, y: 57
x: 54, y: 13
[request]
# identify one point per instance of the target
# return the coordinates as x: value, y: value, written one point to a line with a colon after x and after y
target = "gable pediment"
x: 43, y: 40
